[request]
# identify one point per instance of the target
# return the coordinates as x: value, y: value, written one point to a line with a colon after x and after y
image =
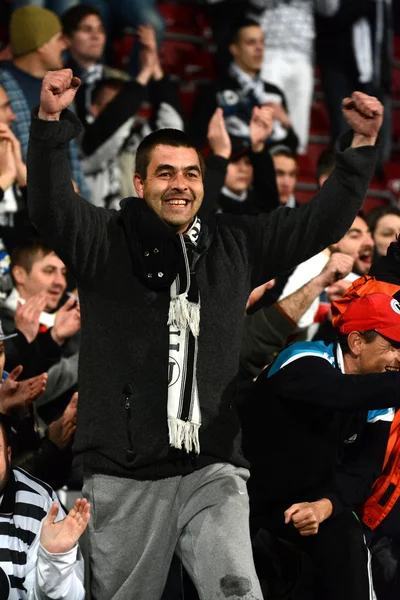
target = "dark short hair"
x: 237, y: 28
x: 325, y: 163
x: 72, y: 17
x: 281, y: 150
x: 343, y: 339
x: 108, y: 82
x: 377, y: 213
x: 25, y: 252
x: 163, y: 137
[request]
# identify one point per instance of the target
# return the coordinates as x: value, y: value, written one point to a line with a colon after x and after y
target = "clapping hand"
x: 15, y: 394
x: 261, y: 126
x: 62, y: 536
x: 67, y: 321
x: 62, y: 430
x: 27, y: 315
x: 217, y: 135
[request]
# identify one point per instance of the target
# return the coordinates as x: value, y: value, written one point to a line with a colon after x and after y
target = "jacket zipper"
x: 129, y: 448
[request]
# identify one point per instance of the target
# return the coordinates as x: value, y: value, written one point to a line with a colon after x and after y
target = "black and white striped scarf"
x: 183, y: 409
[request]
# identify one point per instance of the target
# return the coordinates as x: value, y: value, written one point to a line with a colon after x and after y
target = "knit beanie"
x: 31, y: 27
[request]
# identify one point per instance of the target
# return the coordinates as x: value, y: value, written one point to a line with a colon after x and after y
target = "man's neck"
x: 30, y: 64
x: 251, y: 72
x: 82, y: 62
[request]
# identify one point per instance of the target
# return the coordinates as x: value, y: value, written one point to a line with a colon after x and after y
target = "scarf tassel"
x: 184, y: 434
x: 183, y: 314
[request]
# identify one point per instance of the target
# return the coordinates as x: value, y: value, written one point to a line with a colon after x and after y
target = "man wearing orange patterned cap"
x: 319, y: 441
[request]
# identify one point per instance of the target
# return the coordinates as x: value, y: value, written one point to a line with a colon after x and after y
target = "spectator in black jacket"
x: 307, y: 440
x: 240, y: 91
x: 243, y: 172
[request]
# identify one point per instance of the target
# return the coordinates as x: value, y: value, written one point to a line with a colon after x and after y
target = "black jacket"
x: 124, y: 322
x: 307, y: 437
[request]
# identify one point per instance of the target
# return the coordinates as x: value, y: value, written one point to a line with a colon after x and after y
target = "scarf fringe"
x: 184, y: 433
x: 183, y: 314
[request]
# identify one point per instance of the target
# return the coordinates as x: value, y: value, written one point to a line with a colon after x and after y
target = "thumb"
x: 73, y: 403
x: 68, y: 304
x: 75, y: 83
x: 15, y: 373
x: 51, y: 515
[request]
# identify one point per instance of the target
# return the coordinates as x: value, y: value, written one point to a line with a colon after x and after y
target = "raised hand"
x: 58, y: 92
x: 279, y: 113
x: 62, y: 536
x: 147, y: 37
x: 8, y: 168
x: 15, y: 394
x: 217, y: 135
x: 149, y: 58
x: 20, y: 167
x: 67, y: 321
x: 338, y: 267
x: 364, y: 114
x: 27, y: 315
x: 261, y: 126
x: 62, y: 430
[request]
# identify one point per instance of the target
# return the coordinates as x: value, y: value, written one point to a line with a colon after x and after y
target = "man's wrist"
x: 324, y: 507
x: 360, y: 140
x: 257, y: 148
x: 44, y: 116
x: 59, y: 340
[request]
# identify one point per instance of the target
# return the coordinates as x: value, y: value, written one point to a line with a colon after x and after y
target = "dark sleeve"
x: 314, y: 380
x: 204, y: 107
x: 123, y: 107
x: 265, y: 334
x: 47, y: 462
x: 282, y: 239
x: 75, y: 229
x: 164, y: 91
x: 36, y: 357
x: 264, y: 181
x: 362, y: 464
x: 214, y: 180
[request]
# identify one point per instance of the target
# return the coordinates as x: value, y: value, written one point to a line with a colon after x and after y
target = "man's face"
x: 386, y: 231
x: 286, y: 177
x: 358, y: 242
x: 248, y: 51
x: 379, y: 356
x: 51, y: 52
x: 5, y: 458
x: 7, y: 115
x: 48, y: 274
x: 87, y: 42
x: 173, y: 187
x: 239, y: 175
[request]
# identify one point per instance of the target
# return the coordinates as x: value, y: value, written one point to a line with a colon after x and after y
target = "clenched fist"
x: 58, y: 92
x: 364, y: 114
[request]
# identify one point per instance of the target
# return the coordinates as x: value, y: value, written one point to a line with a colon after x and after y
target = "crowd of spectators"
x: 320, y: 424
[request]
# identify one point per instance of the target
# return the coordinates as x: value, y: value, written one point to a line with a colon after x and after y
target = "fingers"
x: 51, y: 515
x: 292, y: 510
x: 68, y: 305
x: 15, y: 373
x: 368, y: 106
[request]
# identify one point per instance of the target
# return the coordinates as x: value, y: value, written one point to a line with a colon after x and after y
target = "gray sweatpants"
x: 136, y: 526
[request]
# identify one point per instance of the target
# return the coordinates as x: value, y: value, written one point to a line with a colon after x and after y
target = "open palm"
x: 62, y: 536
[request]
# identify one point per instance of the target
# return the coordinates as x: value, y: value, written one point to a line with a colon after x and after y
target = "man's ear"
x: 233, y: 50
x: 355, y: 342
x: 138, y: 182
x: 67, y: 40
x: 19, y: 274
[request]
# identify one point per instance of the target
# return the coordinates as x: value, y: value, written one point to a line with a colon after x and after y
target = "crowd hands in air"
x: 251, y: 172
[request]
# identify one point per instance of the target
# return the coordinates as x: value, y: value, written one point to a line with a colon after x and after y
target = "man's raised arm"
x: 71, y: 226
x: 287, y: 237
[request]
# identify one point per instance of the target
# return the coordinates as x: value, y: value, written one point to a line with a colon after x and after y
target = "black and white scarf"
x: 162, y: 260
x: 183, y: 409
